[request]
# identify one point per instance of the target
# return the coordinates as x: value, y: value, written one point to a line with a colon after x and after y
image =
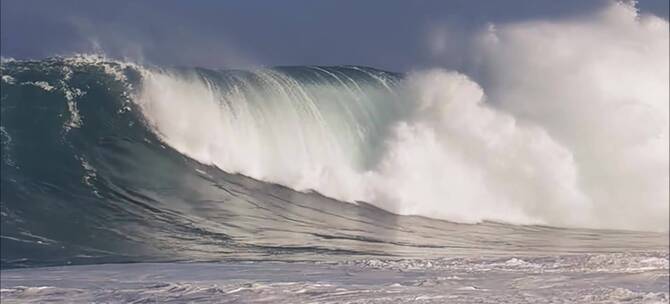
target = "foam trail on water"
x: 571, y: 131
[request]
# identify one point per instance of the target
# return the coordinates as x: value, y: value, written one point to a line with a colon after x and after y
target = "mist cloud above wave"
x: 599, y: 86
x: 574, y: 130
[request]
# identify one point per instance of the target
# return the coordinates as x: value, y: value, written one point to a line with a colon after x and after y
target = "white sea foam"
x: 8, y: 79
x: 71, y: 95
x: 40, y: 84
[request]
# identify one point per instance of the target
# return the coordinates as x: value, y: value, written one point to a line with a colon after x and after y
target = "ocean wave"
x: 118, y: 161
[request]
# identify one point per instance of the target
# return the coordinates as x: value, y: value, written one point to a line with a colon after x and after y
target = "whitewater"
x: 539, y: 174
x: 574, y: 131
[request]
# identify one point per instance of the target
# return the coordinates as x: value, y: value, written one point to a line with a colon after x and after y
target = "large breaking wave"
x: 574, y: 132
x: 571, y: 131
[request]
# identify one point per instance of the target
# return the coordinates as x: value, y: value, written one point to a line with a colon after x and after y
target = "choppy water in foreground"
x: 606, y: 278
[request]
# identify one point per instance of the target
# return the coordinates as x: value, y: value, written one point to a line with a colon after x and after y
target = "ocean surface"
x: 130, y: 183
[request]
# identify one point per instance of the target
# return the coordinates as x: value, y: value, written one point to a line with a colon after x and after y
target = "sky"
x: 390, y: 34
